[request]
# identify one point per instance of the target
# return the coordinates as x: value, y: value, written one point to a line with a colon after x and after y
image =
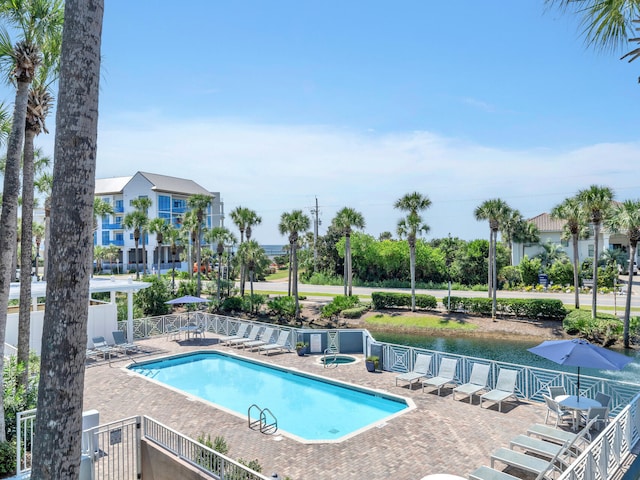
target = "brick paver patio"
x: 439, y: 436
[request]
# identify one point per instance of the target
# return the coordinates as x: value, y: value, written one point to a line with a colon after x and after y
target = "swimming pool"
x: 307, y: 407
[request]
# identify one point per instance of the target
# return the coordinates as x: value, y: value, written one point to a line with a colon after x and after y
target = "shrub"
x: 232, y: 304
x: 282, y: 306
x: 355, y: 312
x: 382, y: 300
x: 17, y: 399
x: 7, y: 458
x: 338, y: 304
x: 189, y: 287
x: 520, y: 307
x: 252, y: 303
x: 152, y: 300
x: 605, y: 328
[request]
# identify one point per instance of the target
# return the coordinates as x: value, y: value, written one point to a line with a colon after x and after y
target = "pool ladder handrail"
x: 325, y: 357
x: 268, y: 427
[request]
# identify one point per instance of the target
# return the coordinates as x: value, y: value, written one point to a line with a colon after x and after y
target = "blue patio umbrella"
x: 580, y: 353
x: 187, y: 299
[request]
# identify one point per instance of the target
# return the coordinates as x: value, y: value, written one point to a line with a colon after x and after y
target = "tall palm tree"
x: 526, y: 232
x: 245, y: 219
x: 199, y: 203
x: 142, y: 205
x: 33, y: 21
x: 173, y: 235
x: 59, y: 417
x: 511, y: 226
x: 160, y: 227
x: 496, y: 211
x: 43, y: 184
x: 38, y: 236
x: 411, y: 226
x: 345, y: 221
x: 292, y: 224
x: 625, y: 217
x: 135, y: 221
x: 576, y: 228
x: 221, y: 236
x: 596, y: 202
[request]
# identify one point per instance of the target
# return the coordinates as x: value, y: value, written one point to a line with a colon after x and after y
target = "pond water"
x: 511, y: 351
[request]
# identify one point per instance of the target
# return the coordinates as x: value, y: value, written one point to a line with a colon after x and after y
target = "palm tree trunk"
x: 289, y: 289
x: 159, y: 254
x: 490, y: 264
x: 346, y: 269
x: 26, y: 247
x: 627, y: 310
x: 137, y: 261
x: 594, y: 292
x: 349, y: 270
x: 198, y: 260
x: 412, y: 272
x: 576, y: 267
x: 59, y: 417
x: 219, y: 272
x: 494, y: 277
x: 144, y: 254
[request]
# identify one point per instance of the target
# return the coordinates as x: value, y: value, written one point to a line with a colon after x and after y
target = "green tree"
x: 221, y: 237
x: 135, y: 221
x: 245, y: 219
x: 160, y: 227
x: 58, y: 426
x: 142, y: 206
x: 625, y: 217
x: 200, y: 204
x: 576, y: 227
x: 292, y: 224
x: 253, y: 256
x: 551, y: 253
x: 596, y: 202
x: 411, y: 226
x: 345, y: 221
x: 496, y: 211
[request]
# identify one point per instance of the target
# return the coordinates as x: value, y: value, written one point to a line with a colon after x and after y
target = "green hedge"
x: 338, y: 305
x: 519, y: 307
x: 392, y: 299
x: 604, y: 329
x: 355, y: 312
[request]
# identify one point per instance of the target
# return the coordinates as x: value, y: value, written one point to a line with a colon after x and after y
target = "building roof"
x: 165, y: 183
x: 546, y: 223
x: 111, y: 185
x: 96, y: 284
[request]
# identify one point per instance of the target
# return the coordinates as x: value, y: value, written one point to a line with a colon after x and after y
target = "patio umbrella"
x: 187, y: 299
x: 580, y: 353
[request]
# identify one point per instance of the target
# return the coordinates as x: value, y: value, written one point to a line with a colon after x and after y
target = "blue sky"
x: 357, y: 103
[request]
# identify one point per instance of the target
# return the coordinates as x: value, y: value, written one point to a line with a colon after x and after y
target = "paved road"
x: 567, y: 298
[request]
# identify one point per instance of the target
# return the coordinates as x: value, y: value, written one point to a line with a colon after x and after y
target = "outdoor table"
x: 188, y: 329
x: 577, y: 404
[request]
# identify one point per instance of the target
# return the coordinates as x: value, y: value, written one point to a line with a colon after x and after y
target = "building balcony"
x: 118, y: 209
x: 111, y: 226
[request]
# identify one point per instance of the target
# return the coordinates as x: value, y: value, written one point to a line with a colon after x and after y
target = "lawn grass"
x: 308, y: 294
x: 279, y: 275
x: 418, y: 321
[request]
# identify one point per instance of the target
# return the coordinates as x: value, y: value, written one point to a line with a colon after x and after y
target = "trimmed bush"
x: 232, y: 304
x: 519, y: 307
x: 382, y: 300
x: 338, y: 304
x: 354, y: 312
x: 282, y: 306
x: 605, y: 328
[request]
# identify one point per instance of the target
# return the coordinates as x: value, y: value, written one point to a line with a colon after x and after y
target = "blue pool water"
x: 307, y: 407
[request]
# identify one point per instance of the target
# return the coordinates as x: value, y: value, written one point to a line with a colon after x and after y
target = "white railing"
x: 608, y: 452
x: 196, y: 454
x: 25, y: 425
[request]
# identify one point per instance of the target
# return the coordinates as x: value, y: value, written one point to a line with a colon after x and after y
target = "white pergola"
x: 96, y: 285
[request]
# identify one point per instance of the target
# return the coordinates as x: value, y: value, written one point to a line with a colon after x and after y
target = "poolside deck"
x: 439, y: 436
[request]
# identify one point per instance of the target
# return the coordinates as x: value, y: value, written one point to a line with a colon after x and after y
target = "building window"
x: 105, y: 221
x: 119, y: 222
x: 164, y: 203
x: 591, y: 250
x: 165, y: 216
x: 119, y: 238
x: 564, y: 242
x: 131, y: 236
x: 105, y: 238
x: 179, y: 205
x: 119, y: 206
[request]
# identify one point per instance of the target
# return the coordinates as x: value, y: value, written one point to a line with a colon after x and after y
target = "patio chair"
x: 120, y: 343
x: 556, y: 390
x: 505, y: 388
x: 420, y: 370
x: 529, y: 463
x: 101, y: 346
x: 603, y: 399
x: 280, y: 343
x: 240, y: 333
x: 554, y: 407
x: 477, y: 381
x: 263, y: 339
x: 446, y: 374
x: 252, y: 334
x: 596, y: 417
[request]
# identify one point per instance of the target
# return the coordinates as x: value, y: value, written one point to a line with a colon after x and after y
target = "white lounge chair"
x: 420, y: 370
x: 120, y: 343
x: 252, y: 334
x: 263, y: 339
x: 505, y: 388
x: 477, y: 381
x: 240, y: 333
x: 280, y: 343
x: 528, y: 463
x: 446, y: 374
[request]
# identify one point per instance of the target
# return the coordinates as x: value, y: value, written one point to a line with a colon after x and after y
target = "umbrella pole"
x: 578, y: 383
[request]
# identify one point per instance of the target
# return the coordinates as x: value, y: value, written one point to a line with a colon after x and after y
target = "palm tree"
x: 245, y: 219
x: 596, y: 202
x: 199, y: 203
x: 173, y: 235
x: 292, y: 224
x: 345, y: 221
x: 411, y: 226
x: 59, y: 417
x: 142, y: 205
x: 160, y: 227
x: 496, y: 211
x: 100, y: 209
x: 551, y: 253
x: 575, y: 227
x: 43, y: 184
x: 221, y: 236
x: 251, y: 253
x: 625, y: 217
x: 512, y: 225
x: 38, y: 235
x: 526, y: 232
x: 135, y: 221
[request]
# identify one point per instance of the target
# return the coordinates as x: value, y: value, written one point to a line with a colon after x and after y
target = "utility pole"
x: 315, y: 236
